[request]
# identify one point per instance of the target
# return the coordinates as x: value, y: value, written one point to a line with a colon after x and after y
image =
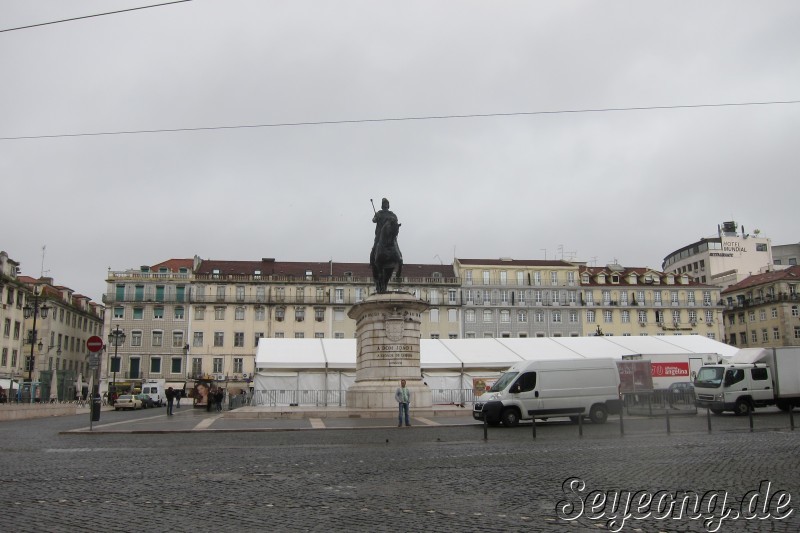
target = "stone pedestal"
x: 387, y: 333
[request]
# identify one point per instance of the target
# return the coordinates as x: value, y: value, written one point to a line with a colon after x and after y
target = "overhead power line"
x: 394, y: 119
x: 92, y: 16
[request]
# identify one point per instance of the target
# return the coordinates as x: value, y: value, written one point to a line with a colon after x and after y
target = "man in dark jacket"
x: 170, y: 394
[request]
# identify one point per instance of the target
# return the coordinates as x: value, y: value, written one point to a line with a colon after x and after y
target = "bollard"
x: 666, y: 411
x: 580, y: 425
x: 750, y: 416
x: 791, y: 418
x: 650, y: 405
x: 708, y: 417
x: 621, y: 425
x: 533, y: 424
x: 485, y: 428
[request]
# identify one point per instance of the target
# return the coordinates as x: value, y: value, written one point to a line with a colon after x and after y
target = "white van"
x: 552, y: 385
x: 155, y: 389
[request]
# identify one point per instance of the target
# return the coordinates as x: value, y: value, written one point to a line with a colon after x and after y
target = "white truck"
x: 552, y: 388
x: 753, y: 377
x: 155, y: 389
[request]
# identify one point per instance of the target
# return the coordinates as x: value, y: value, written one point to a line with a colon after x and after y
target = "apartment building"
x: 617, y: 300
x: 195, y: 319
x: 763, y: 310
x: 519, y: 298
x: 12, y: 298
x: 150, y: 306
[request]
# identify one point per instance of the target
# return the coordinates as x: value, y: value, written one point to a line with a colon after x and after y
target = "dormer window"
x: 585, y: 278
x: 257, y: 274
x: 309, y: 274
x: 215, y: 273
x: 615, y: 279
x: 437, y: 275
x: 601, y: 278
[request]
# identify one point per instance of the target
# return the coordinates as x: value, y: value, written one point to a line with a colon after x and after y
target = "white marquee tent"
x: 330, y: 364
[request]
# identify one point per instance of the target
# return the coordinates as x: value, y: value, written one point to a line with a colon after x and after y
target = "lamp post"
x: 34, y: 311
x: 116, y: 337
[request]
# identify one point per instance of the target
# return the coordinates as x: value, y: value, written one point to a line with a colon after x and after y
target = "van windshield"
x: 504, y: 381
x: 709, y: 377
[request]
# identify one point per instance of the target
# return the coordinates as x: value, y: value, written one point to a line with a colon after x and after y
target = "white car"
x: 127, y: 401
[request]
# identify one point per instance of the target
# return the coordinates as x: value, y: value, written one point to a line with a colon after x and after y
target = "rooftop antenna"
x: 43, y: 271
x: 545, y: 253
x: 594, y: 260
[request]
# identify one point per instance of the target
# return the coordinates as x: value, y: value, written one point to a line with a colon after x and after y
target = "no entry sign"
x: 94, y: 343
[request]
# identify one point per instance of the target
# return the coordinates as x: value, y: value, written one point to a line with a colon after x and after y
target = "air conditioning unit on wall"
x: 245, y: 375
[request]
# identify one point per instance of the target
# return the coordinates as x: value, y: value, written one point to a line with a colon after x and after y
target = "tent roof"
x: 488, y: 353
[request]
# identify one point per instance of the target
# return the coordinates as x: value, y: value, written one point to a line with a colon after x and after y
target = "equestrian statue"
x: 385, y: 257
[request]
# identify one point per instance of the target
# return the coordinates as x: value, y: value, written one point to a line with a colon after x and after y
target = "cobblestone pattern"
x: 374, y: 479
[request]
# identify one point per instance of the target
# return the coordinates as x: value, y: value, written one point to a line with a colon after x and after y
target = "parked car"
x: 681, y: 392
x: 146, y: 400
x: 128, y: 401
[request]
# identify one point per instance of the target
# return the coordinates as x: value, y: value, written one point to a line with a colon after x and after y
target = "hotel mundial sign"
x: 729, y: 248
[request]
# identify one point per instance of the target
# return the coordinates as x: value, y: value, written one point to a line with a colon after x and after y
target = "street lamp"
x: 34, y: 311
x: 116, y: 337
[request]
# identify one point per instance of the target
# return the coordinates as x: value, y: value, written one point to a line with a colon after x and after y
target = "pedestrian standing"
x: 403, y: 397
x: 178, y: 394
x: 170, y: 394
x: 218, y: 397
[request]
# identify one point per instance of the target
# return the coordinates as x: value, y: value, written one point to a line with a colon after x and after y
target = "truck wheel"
x: 784, y: 405
x: 742, y: 407
x: 598, y: 413
x: 510, y: 417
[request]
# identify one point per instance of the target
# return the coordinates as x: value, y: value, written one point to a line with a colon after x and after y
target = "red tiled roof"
x: 173, y: 265
x: 299, y: 268
x: 788, y: 274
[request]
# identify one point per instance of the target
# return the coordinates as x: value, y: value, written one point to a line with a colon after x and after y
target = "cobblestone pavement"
x: 366, y: 475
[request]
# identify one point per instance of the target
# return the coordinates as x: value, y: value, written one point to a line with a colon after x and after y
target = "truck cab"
x: 736, y: 387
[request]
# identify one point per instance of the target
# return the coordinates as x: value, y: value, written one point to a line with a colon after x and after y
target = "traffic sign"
x: 94, y: 344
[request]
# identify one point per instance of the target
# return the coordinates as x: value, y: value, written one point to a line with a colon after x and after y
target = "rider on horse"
x: 385, y: 255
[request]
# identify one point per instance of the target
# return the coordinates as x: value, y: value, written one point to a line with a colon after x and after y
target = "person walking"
x: 403, y: 397
x: 178, y: 394
x: 170, y: 394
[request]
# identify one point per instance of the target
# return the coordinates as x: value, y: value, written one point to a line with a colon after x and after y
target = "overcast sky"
x: 593, y: 186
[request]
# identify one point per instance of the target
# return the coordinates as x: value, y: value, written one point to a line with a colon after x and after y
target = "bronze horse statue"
x: 386, y: 258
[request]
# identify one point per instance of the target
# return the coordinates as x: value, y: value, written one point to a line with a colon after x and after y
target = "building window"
x: 155, y: 365
x: 239, y: 293
x: 795, y: 312
x: 522, y: 316
x: 136, y: 338
x: 299, y: 314
x: 299, y: 335
x: 676, y: 317
x: 259, y: 335
x: 138, y: 313
x: 219, y: 338
x: 764, y: 335
x: 319, y: 314
x: 553, y: 278
x: 119, y: 313
x: 177, y: 339
x: 505, y: 316
x: 220, y: 293
x: 753, y: 336
x: 487, y: 315
x: 179, y: 313
x: 199, y: 313
x: 469, y: 315
x: 538, y: 316
x: 452, y: 315
x: 158, y: 313
x: 626, y: 317
x: 217, y: 365
x: 573, y: 317
x: 238, y: 365
x: 280, y: 313
x: 239, y: 313
x: 238, y: 339
x: 607, y: 316
x: 158, y: 337
x: 278, y: 334
x: 557, y: 317
x: 434, y: 316
x: 176, y: 365
x: 197, y: 365
x: 590, y: 317
x: 197, y: 341
x: 219, y: 313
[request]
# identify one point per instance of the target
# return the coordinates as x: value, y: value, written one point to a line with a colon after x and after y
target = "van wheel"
x: 784, y: 405
x: 742, y: 407
x: 510, y: 418
x: 598, y: 413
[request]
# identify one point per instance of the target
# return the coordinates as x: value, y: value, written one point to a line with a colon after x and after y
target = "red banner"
x: 666, y: 370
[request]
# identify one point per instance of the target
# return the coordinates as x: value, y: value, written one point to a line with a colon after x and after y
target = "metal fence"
x: 655, y: 403
x: 337, y: 398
